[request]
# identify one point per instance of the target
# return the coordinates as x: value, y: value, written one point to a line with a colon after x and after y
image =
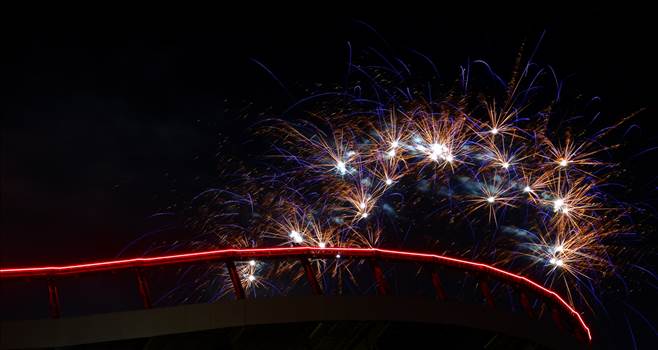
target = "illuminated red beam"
x: 287, y: 252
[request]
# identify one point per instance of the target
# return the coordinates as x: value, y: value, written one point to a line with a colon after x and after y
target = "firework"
x: 359, y: 172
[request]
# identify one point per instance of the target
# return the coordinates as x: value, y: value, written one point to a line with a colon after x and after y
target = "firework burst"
x: 362, y: 172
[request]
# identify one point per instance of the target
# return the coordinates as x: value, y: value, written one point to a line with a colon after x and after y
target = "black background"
x: 105, y: 124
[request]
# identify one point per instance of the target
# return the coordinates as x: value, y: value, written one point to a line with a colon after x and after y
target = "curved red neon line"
x: 278, y: 252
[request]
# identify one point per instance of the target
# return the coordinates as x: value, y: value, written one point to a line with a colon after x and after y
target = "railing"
x: 522, y: 285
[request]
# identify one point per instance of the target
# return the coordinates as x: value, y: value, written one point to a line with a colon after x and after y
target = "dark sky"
x: 105, y: 125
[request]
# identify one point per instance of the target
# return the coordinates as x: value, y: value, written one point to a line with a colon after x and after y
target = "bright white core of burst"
x: 505, y: 165
x: 391, y: 153
x: 342, y: 169
x: 491, y: 199
x: 322, y: 245
x: 389, y: 181
x: 558, y: 205
x: 252, y: 263
x: 494, y: 131
x: 251, y: 278
x: 527, y: 189
x: 394, y: 144
x: 439, y: 150
x: 296, y: 237
x: 564, y: 162
x: 556, y: 262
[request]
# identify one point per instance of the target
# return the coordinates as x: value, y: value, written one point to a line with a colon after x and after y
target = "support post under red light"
x: 525, y: 303
x: 144, y: 290
x: 486, y: 292
x: 235, y: 280
x: 380, y: 279
x: 310, y: 277
x: 53, y: 299
x: 438, y: 286
x: 555, y: 315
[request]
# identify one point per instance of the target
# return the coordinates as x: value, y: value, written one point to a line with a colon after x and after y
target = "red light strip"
x: 279, y: 252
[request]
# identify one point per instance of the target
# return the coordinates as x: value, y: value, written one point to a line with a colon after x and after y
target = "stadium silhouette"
x: 537, y: 319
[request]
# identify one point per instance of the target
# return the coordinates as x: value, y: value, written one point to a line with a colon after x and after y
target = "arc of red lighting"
x: 274, y: 252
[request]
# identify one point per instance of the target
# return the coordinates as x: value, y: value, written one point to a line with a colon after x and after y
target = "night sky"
x: 105, y: 125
